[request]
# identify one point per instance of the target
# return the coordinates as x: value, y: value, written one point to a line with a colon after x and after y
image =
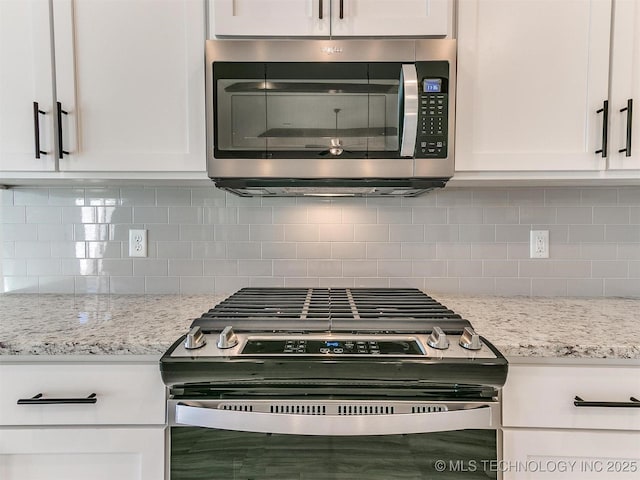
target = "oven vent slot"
x: 297, y: 409
x: 366, y: 410
x: 236, y: 407
x: 429, y: 408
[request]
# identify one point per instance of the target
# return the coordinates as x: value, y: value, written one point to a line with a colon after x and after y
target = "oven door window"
x: 201, y: 453
x: 307, y: 110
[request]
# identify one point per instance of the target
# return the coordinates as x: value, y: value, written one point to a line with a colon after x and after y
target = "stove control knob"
x: 438, y: 339
x: 470, y: 339
x: 195, y: 339
x: 227, y: 338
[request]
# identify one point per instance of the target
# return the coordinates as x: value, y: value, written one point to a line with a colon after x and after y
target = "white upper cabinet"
x: 331, y: 18
x: 531, y: 78
x: 130, y: 75
x: 129, y: 86
x: 26, y: 77
x: 625, y: 85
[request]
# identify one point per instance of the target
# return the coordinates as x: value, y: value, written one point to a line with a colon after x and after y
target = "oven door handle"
x: 409, y: 83
x: 336, y: 425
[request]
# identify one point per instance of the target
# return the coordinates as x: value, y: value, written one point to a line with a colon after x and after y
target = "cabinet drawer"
x: 126, y: 393
x: 570, y: 454
x: 543, y: 396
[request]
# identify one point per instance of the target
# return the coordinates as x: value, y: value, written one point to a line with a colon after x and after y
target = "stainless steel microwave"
x: 327, y: 117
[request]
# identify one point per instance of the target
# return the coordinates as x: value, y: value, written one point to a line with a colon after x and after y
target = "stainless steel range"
x: 282, y: 382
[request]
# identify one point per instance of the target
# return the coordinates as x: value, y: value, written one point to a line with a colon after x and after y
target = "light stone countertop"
x: 149, y: 324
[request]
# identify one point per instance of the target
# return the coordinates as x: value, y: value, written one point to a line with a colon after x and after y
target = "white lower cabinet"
x: 82, y: 453
x: 570, y: 454
x: 547, y: 436
x: 47, y: 434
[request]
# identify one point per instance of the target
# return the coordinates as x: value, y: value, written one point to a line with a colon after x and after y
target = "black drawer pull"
x: 36, y: 127
x: 629, y: 110
x: 61, y: 150
x: 605, y: 128
x: 39, y: 400
x: 633, y: 403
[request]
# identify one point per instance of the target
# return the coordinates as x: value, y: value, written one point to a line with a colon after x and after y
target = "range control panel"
x: 295, y: 346
x: 433, y: 110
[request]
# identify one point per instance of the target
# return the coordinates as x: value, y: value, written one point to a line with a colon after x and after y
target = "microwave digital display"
x: 432, y: 85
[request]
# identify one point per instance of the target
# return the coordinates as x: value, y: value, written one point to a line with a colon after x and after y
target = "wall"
x: 201, y: 240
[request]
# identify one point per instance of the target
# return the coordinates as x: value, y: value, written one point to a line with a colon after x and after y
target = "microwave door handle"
x: 341, y: 425
x: 409, y: 80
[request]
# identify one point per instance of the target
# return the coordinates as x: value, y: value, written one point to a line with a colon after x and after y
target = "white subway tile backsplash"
x: 196, y: 232
x: 12, y: 214
x: 173, y: 197
x: 43, y: 266
x: 31, y: 196
x: 314, y: 250
x: 246, y: 250
x: 53, y: 232
x: 290, y: 268
x: 340, y: 232
x: 622, y: 233
x: 302, y: 233
x: 360, y: 268
x: 205, y: 240
x: 114, y: 215
x: 266, y: 233
x: 162, y: 285
x: 371, y: 233
x: 87, y: 284
x: 384, y: 250
x: 151, y: 215
x: 231, y: 233
x: 574, y: 215
x: 348, y: 250
x: 91, y: 232
x: 186, y: 215
x: 261, y: 268
x: 325, y: 268
x: 56, y: 284
x: 478, y: 233
x: 406, y: 233
x: 186, y: 268
x: 19, y: 232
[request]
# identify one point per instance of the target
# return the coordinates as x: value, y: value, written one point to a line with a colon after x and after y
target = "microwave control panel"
x: 433, y: 110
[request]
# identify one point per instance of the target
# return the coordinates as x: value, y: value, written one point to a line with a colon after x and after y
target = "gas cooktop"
x: 331, y: 336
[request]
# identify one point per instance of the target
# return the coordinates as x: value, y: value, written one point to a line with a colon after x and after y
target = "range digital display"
x: 432, y: 85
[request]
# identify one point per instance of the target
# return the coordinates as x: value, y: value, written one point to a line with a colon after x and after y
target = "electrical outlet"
x: 539, y: 244
x: 137, y: 243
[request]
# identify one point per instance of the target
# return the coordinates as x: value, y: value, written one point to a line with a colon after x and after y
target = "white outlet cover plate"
x: 137, y: 243
x: 539, y: 244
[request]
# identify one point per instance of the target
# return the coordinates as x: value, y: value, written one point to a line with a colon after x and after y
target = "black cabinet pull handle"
x: 341, y: 9
x: 61, y: 112
x: 633, y: 403
x: 320, y: 10
x: 39, y: 400
x: 605, y: 128
x: 36, y: 127
x: 629, y: 110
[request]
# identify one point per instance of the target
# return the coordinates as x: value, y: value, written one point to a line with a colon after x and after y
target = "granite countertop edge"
x: 147, y: 325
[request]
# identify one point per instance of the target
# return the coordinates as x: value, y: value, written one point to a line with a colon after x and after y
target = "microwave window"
x: 313, y: 108
x: 432, y: 85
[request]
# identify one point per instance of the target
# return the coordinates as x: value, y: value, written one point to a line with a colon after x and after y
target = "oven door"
x: 334, y: 439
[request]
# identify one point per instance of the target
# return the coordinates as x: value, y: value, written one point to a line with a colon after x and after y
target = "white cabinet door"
x: 130, y: 75
x: 390, y: 17
x: 80, y: 454
x: 625, y: 84
x: 531, y: 77
x: 569, y: 455
x: 25, y: 78
x: 285, y: 18
x: 271, y: 17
